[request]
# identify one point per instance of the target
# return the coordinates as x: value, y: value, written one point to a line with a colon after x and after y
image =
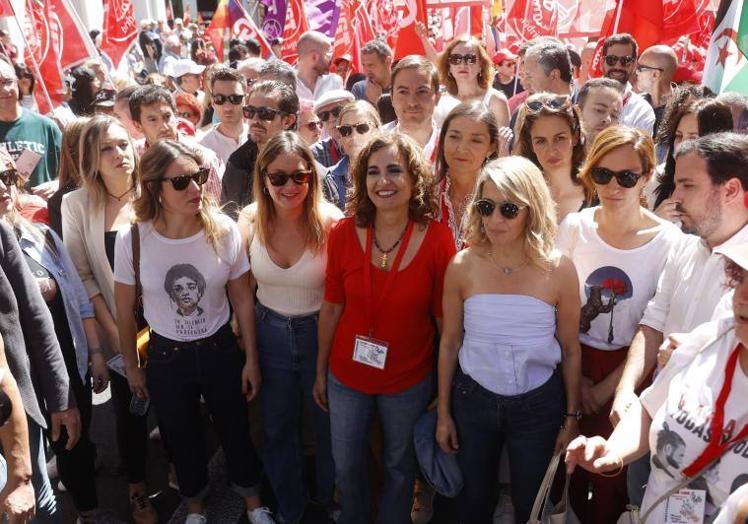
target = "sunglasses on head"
x: 9, y: 177
x: 325, y: 115
x: 314, y: 125
x: 181, y: 182
x: 347, y: 130
x: 279, y: 178
x: 612, y: 60
x: 219, y: 100
x: 508, y: 209
x: 456, y: 59
x: 267, y: 114
x: 553, y: 103
x: 603, y: 175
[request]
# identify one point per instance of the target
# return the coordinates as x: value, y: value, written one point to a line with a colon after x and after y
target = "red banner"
x: 408, y: 43
x: 6, y: 9
x: 120, y: 29
x: 296, y: 25
x: 528, y: 19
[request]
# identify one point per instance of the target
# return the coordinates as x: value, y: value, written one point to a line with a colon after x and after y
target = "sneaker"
x: 261, y: 515
x: 423, y: 504
x: 196, y: 518
x: 142, y: 509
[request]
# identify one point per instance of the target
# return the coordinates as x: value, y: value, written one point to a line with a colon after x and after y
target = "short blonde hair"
x: 520, y: 181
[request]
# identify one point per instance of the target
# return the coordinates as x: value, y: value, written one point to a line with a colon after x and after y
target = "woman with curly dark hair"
x: 383, y: 297
x: 548, y: 133
x: 85, y: 87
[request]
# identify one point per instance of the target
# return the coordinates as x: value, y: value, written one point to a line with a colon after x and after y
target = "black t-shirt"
x: 109, y: 239
x: 509, y: 89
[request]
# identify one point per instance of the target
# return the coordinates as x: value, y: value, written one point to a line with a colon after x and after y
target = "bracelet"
x: 574, y: 414
x: 620, y: 469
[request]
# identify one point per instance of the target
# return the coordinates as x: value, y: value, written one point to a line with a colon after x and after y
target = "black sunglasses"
x: 603, y: 175
x: 267, y: 114
x: 462, y: 59
x: 347, y: 130
x: 219, y: 100
x: 181, y: 182
x: 554, y: 103
x: 9, y: 177
x: 325, y: 115
x: 612, y: 60
x: 509, y: 210
x: 313, y: 126
x: 279, y: 178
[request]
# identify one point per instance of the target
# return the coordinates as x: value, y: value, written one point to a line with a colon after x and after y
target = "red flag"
x: 408, y: 42
x: 6, y: 9
x: 384, y: 18
x: 528, y: 19
x: 296, y: 25
x: 231, y: 17
x: 476, y: 21
x: 682, y: 17
x: 345, y: 34
x: 120, y: 30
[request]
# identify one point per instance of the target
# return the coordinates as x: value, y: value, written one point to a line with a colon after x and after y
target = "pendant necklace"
x: 386, y: 252
x: 507, y: 270
x: 118, y: 198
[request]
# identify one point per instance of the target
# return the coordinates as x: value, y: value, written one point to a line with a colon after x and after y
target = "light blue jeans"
x: 351, y: 413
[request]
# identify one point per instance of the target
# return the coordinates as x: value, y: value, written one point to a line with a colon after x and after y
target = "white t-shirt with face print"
x: 184, y: 280
x: 681, y: 403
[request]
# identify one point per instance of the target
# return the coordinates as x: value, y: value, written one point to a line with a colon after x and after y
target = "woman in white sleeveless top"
x: 285, y: 231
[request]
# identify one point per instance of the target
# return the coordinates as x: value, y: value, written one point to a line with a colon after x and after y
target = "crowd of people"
x: 318, y: 258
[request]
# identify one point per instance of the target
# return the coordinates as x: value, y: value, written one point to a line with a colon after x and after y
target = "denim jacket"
x: 74, y: 296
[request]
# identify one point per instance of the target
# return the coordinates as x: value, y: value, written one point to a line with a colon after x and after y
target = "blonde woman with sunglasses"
x: 509, y: 352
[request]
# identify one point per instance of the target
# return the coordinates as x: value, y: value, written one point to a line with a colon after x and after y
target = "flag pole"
x: 619, y: 8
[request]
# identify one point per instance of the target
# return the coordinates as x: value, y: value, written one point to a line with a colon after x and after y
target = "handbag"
x: 144, y: 331
x: 543, y: 511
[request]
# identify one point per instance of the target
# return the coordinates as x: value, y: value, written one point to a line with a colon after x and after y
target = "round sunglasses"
x: 625, y: 178
x: 508, y: 209
x: 554, y: 103
x: 313, y: 126
x: 180, y: 182
x: 219, y: 100
x: 279, y: 178
x: 347, y: 130
x: 612, y: 60
x: 325, y: 115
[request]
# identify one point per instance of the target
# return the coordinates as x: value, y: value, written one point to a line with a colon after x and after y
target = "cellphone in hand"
x: 139, y: 407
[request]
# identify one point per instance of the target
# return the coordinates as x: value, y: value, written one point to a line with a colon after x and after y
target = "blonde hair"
x: 284, y: 144
x: 89, y: 156
x: 520, y: 181
x: 154, y: 164
x: 69, y: 169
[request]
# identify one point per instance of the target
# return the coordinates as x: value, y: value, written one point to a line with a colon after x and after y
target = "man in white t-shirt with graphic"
x: 227, y: 96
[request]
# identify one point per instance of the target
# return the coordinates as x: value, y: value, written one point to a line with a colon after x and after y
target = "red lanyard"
x: 718, y: 443
x: 371, y: 312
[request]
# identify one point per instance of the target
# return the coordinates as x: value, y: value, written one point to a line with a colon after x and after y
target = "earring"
x: 265, y: 190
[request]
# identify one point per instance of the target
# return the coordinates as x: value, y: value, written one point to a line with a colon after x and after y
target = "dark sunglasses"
x: 509, y: 210
x: 553, y: 103
x: 603, y: 175
x: 279, y: 178
x: 462, y: 59
x: 612, y: 60
x: 267, y: 114
x: 313, y: 126
x: 181, y: 182
x: 9, y: 177
x: 219, y: 100
x: 325, y: 115
x: 347, y: 130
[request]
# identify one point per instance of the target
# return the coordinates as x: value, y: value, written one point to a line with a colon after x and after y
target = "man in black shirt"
x: 506, y: 79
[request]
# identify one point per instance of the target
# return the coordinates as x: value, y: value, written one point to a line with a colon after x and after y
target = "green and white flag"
x: 726, y: 66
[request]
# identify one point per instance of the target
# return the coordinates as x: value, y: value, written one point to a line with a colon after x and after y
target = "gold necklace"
x: 507, y: 270
x: 386, y: 252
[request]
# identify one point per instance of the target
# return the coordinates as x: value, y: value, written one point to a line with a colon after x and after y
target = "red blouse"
x: 404, y: 319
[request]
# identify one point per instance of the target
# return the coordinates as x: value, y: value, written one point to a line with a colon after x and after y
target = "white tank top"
x: 448, y: 102
x: 293, y: 291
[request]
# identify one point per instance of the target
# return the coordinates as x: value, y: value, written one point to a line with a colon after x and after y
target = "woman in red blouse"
x: 383, y: 294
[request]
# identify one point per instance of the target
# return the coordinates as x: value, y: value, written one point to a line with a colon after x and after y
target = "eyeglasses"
x: 553, y: 103
x: 642, y: 67
x: 9, y: 177
x: 313, y: 125
x: 462, y: 59
x: 325, y: 115
x: 508, y: 209
x: 267, y: 114
x: 181, y: 182
x: 219, y: 100
x: 347, y: 130
x: 603, y: 175
x: 612, y: 60
x: 279, y: 178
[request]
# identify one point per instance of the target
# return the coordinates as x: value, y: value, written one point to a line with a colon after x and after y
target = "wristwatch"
x: 576, y: 414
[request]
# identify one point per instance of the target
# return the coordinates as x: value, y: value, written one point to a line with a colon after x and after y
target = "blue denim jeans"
x: 287, y: 348
x: 178, y: 373
x: 351, y: 413
x: 528, y: 424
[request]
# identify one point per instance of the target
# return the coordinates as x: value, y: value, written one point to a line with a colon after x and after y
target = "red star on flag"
x: 723, y: 55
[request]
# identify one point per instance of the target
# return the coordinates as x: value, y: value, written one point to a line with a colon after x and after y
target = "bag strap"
x: 135, y: 237
x: 545, y: 489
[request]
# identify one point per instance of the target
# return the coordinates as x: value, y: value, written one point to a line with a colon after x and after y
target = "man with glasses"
x: 227, y: 98
x: 328, y: 151
x: 188, y: 77
x: 654, y: 77
x: 506, y: 73
x: 313, y: 77
x: 619, y: 63
x: 271, y: 107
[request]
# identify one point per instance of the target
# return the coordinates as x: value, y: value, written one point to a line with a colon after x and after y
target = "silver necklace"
x: 507, y: 270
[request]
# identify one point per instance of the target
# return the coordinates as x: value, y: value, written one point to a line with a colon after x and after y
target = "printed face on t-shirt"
x: 185, y: 286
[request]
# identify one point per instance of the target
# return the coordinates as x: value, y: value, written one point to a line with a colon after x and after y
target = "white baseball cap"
x: 186, y: 66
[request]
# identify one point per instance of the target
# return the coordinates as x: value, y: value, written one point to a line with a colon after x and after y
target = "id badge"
x: 686, y: 507
x: 370, y: 352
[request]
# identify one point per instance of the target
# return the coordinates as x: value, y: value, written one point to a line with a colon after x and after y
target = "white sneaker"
x: 423, y: 504
x: 261, y: 515
x: 155, y: 434
x: 196, y: 518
